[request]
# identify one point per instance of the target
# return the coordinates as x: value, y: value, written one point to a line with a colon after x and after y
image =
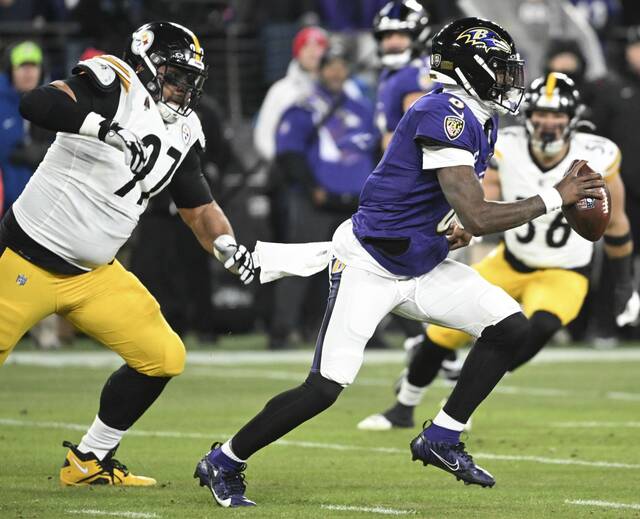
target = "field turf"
x: 561, y: 438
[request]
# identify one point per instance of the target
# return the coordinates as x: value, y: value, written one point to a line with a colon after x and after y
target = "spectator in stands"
x: 308, y: 46
x: 32, y: 10
x: 22, y: 146
x: 566, y: 56
x: 324, y: 148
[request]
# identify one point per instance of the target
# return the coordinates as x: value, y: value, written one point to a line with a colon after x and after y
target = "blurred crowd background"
x: 264, y: 57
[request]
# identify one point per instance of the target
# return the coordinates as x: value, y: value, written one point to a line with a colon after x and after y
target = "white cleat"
x: 375, y: 422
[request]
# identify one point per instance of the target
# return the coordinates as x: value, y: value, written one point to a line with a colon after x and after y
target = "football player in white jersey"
x: 126, y: 130
x: 543, y: 264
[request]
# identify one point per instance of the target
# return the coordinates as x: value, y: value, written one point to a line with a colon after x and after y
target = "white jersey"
x: 83, y: 201
x: 548, y: 241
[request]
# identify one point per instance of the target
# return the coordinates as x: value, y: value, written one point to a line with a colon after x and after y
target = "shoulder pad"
x: 602, y: 153
x: 106, y: 72
x: 101, y: 74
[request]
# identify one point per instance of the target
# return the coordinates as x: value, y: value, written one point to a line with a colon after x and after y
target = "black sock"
x: 487, y: 362
x: 426, y: 362
x: 543, y: 326
x: 284, y: 413
x: 126, y: 395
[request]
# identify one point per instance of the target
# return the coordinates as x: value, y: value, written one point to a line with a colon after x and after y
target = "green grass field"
x: 554, y: 435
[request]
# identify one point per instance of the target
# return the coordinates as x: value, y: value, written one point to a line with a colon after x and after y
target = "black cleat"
x: 451, y: 458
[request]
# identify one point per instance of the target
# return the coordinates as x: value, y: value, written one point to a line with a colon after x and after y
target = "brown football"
x: 589, y: 217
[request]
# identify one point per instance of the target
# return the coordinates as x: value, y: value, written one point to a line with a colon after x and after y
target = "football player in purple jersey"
x: 422, y: 200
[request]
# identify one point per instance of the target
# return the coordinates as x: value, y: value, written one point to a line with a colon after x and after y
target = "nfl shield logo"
x: 21, y: 280
x: 453, y: 127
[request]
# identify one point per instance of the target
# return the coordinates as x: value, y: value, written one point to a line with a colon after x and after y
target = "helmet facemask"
x: 508, y: 88
x: 547, y: 138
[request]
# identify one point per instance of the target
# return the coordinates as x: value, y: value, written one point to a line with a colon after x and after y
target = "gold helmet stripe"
x: 551, y: 85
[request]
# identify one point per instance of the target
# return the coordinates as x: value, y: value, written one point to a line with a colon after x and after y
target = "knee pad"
x: 322, y: 389
x: 509, y: 332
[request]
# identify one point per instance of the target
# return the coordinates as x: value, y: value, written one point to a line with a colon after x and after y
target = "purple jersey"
x: 402, y: 203
x: 393, y: 86
x: 340, y: 151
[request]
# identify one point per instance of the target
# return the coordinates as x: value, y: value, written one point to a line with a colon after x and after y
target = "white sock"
x: 100, y: 439
x: 409, y: 394
x: 442, y: 419
x: 226, y: 449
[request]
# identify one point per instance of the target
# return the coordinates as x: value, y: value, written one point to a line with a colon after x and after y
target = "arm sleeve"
x: 52, y: 109
x: 188, y: 187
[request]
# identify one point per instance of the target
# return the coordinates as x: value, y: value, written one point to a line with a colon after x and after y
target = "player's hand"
x: 235, y: 258
x: 573, y: 188
x: 626, y: 305
x: 135, y: 153
x: 458, y: 237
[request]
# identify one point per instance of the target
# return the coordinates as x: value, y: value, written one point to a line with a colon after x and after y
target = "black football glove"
x: 135, y: 154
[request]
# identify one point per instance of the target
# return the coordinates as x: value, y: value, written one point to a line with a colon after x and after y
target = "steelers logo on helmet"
x: 141, y: 41
x: 484, y: 38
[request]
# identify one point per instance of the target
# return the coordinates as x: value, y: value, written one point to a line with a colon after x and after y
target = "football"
x: 589, y: 217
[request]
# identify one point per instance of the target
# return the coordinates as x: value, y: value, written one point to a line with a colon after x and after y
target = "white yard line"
x: 319, y: 445
x: 236, y: 358
x: 596, y: 425
x: 133, y: 515
x: 502, y: 389
x: 602, y: 504
x: 368, y: 509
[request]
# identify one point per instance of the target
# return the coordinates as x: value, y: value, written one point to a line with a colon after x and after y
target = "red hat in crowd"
x: 91, y: 52
x: 309, y: 34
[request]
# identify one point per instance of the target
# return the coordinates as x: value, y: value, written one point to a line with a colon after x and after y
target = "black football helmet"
x: 165, y: 43
x: 405, y: 16
x: 481, y: 57
x: 555, y: 92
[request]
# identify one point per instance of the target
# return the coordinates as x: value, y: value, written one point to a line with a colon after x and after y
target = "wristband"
x: 551, y: 198
x: 617, y: 241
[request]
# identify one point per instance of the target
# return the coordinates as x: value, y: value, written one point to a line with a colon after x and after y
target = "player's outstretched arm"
x: 213, y: 230
x: 76, y: 106
x: 479, y: 216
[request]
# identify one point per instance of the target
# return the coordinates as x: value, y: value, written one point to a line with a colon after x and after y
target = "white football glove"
x: 235, y: 258
x: 111, y: 133
x: 631, y: 311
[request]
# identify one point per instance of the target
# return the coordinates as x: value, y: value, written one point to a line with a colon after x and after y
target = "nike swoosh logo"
x: 451, y: 466
x: 82, y: 469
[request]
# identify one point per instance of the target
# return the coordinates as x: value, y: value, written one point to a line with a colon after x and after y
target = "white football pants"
x: 452, y: 295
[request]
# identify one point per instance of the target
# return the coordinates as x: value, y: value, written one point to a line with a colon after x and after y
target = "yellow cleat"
x: 86, y: 469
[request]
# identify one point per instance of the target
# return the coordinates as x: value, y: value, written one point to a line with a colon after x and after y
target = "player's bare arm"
x: 480, y: 216
x: 207, y: 223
